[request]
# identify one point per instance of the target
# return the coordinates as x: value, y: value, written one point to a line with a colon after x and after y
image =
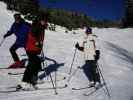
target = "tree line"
x: 69, y: 19
x: 128, y: 18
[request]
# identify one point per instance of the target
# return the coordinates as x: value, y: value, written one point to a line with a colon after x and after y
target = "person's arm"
x: 10, y: 32
x: 79, y: 47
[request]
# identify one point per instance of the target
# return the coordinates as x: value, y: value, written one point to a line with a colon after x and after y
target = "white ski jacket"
x: 89, y: 47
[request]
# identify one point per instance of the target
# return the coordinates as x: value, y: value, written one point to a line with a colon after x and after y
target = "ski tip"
x: 10, y: 73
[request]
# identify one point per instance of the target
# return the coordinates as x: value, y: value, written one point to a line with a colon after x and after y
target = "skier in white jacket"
x: 89, y: 48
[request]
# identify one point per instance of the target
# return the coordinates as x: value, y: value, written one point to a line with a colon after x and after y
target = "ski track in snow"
x: 116, y: 63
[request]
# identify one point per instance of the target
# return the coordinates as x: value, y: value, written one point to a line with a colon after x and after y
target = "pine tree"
x: 23, y: 6
x: 128, y: 21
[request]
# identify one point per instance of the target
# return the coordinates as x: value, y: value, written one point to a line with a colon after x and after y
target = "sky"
x: 97, y: 9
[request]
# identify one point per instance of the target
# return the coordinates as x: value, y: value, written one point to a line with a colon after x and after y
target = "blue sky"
x: 97, y: 9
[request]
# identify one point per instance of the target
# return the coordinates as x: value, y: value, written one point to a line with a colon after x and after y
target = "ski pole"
x: 50, y: 76
x: 69, y: 78
x: 42, y: 55
x: 55, y: 80
x: 44, y: 64
x: 53, y: 84
x: 2, y: 41
x: 99, y: 70
x: 72, y: 61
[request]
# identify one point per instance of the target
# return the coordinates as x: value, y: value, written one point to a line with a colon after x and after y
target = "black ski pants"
x: 90, y: 70
x: 32, y: 69
x: 14, y: 55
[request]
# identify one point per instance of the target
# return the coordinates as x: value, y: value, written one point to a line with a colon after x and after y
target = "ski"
x: 4, y: 68
x: 81, y: 88
x: 40, y: 82
x: 94, y: 90
x: 48, y: 81
x: 28, y: 90
x: 10, y: 73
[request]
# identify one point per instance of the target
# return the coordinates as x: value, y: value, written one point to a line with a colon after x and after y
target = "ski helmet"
x: 88, y: 30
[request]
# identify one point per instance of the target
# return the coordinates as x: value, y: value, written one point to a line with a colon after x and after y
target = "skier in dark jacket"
x: 34, y: 47
x: 20, y: 28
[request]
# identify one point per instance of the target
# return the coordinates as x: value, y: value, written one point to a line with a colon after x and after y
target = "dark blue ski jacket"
x: 21, y: 32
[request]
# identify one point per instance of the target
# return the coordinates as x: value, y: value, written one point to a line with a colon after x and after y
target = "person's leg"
x: 36, y: 69
x: 31, y: 72
x: 28, y: 71
x: 29, y: 68
x: 87, y: 70
x: 13, y: 52
x: 95, y: 73
x: 26, y: 80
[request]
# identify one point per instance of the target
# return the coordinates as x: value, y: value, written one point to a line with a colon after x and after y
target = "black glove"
x: 77, y: 45
x: 5, y: 36
x: 97, y: 57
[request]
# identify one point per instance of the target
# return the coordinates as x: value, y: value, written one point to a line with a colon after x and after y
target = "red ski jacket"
x: 34, y: 44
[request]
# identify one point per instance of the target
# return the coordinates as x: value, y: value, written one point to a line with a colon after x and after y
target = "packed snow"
x: 116, y: 64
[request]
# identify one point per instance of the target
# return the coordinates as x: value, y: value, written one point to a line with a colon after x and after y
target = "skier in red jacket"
x: 33, y: 48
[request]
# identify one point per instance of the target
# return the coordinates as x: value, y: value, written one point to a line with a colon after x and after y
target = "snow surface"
x: 116, y: 63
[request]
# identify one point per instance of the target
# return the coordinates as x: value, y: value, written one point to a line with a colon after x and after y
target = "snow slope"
x: 116, y: 64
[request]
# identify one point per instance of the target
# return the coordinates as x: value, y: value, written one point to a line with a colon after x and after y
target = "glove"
x: 5, y: 36
x: 39, y: 44
x: 77, y: 45
x: 97, y: 56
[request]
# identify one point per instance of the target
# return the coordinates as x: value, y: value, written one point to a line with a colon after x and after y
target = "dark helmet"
x: 88, y: 30
x: 43, y: 16
x: 17, y: 16
x: 38, y: 18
